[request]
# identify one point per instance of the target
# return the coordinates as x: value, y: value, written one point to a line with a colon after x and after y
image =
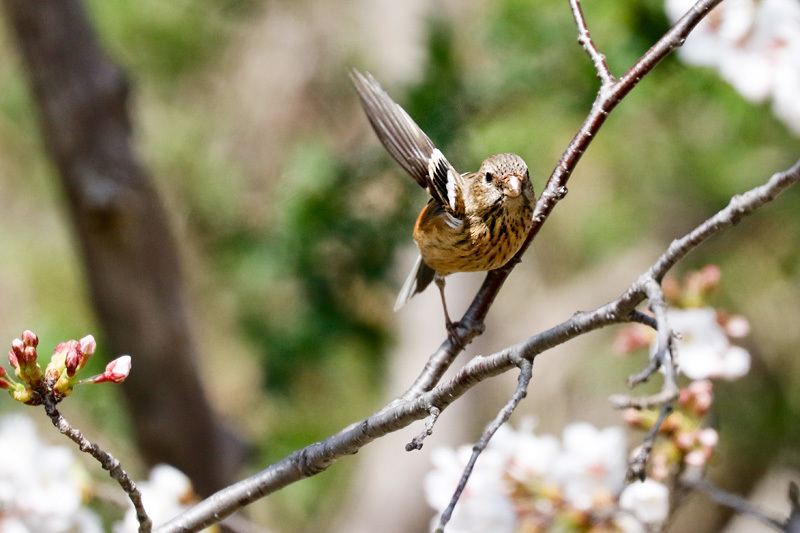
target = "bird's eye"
x: 488, y: 177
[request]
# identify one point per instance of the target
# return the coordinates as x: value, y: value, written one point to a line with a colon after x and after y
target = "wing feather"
x: 408, y: 144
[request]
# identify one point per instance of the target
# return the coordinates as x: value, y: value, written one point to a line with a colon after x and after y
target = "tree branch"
x: 400, y: 413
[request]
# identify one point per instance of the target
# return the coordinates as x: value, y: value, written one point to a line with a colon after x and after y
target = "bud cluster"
x: 60, y: 376
x: 684, y: 441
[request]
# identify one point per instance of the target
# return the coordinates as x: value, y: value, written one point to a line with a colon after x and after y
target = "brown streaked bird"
x: 474, y: 221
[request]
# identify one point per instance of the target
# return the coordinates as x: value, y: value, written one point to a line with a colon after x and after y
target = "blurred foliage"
x: 301, y: 272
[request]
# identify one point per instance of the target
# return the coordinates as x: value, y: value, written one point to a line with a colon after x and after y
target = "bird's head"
x: 504, y: 178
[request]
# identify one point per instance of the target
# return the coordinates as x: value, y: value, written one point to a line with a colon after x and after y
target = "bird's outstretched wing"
x: 409, y: 145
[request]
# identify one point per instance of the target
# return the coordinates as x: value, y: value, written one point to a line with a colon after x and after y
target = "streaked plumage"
x: 475, y: 221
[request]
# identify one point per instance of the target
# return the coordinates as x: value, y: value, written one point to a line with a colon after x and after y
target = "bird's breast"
x: 472, y: 244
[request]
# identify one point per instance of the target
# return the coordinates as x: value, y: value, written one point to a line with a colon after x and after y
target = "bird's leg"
x: 451, y: 326
x: 440, y: 283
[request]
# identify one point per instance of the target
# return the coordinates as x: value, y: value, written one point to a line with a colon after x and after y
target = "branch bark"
x: 125, y: 243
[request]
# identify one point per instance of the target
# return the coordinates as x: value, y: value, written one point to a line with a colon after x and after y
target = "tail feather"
x: 419, y: 278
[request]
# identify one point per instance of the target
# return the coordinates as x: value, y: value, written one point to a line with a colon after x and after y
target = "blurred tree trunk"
x: 128, y: 251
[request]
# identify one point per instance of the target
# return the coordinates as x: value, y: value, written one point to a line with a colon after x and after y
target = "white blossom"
x: 704, y: 350
x: 648, y: 500
x: 484, y: 505
x: 166, y: 494
x: 523, y: 480
x: 41, y: 486
x: 528, y: 455
x: 592, y: 464
x: 755, y: 46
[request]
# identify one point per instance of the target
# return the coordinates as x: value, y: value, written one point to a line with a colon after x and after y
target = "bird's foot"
x: 454, y: 335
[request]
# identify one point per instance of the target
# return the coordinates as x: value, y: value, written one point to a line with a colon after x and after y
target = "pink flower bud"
x: 16, y: 353
x: 660, y: 469
x: 28, y: 356
x: 12, y: 359
x: 59, y: 356
x: 709, y: 277
x: 632, y: 338
x: 23, y: 358
x: 116, y: 371
x: 73, y: 359
x: 29, y: 338
x: 684, y: 440
x: 703, y: 386
x: 4, y: 384
x: 633, y: 417
x: 88, y: 346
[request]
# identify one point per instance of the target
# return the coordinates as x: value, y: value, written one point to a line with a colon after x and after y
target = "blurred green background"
x: 290, y: 216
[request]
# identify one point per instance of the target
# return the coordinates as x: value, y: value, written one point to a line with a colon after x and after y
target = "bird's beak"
x: 513, y: 186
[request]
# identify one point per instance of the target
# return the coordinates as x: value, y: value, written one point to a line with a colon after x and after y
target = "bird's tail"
x: 419, y: 278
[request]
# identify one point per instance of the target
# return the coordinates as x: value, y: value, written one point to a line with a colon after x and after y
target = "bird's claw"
x: 453, y: 334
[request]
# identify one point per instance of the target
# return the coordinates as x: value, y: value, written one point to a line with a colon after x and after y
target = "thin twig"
x: 106, y: 460
x: 733, y: 501
x: 526, y: 371
x: 641, y: 318
x: 585, y: 40
x: 416, y: 442
x: 665, y: 352
x: 637, y: 465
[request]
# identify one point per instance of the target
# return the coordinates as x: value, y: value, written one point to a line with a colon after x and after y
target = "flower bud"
x: 29, y: 338
x: 634, y: 418
x: 73, y: 359
x: 697, y: 397
x: 16, y: 353
x: 88, y: 346
x: 737, y: 326
x: 12, y: 359
x: 23, y: 358
x: 696, y: 458
x: 29, y: 356
x: 708, y: 437
x: 685, y: 440
x: 116, y: 371
x: 709, y: 277
x: 633, y: 337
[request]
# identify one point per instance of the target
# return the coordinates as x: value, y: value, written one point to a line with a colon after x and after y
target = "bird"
x: 473, y: 222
